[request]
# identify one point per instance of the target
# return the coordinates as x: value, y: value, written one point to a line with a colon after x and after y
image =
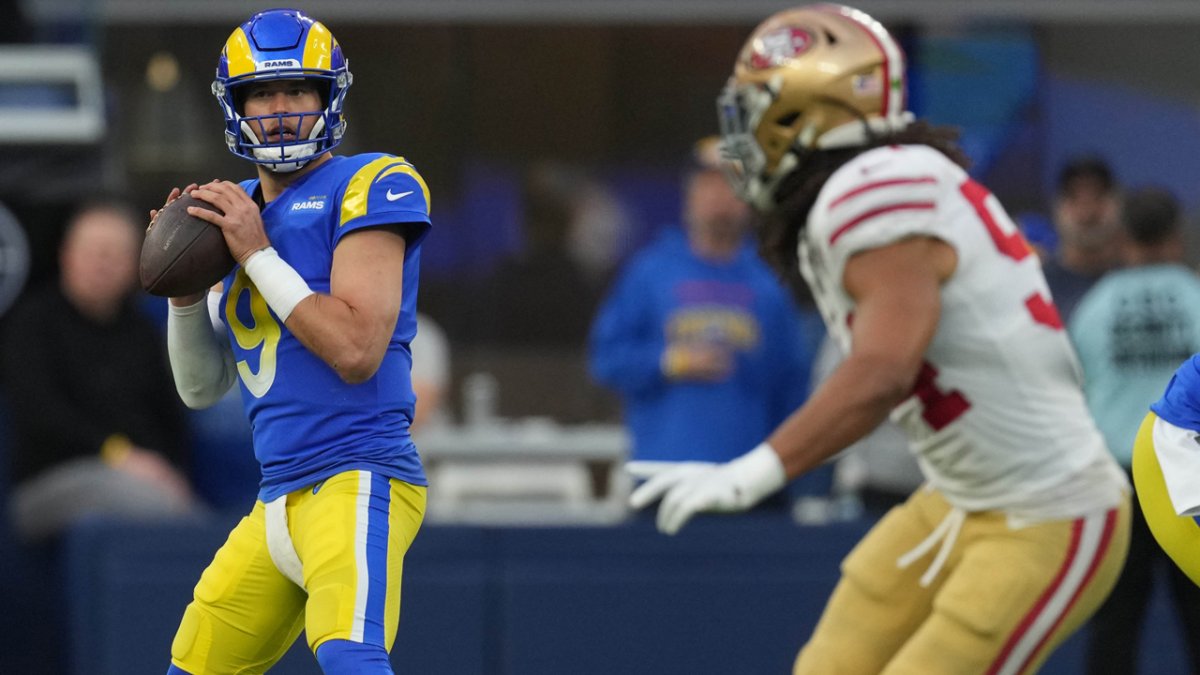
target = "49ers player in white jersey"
x: 1022, y: 526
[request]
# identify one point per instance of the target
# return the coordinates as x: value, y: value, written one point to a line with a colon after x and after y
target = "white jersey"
x: 997, y: 418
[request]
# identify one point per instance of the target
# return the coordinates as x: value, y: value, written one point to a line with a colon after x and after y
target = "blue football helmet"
x: 282, y: 44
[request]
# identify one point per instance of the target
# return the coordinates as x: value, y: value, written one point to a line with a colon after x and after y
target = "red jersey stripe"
x: 858, y: 220
x: 930, y: 180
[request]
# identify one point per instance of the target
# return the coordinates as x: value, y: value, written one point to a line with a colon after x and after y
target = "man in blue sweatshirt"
x: 697, y: 335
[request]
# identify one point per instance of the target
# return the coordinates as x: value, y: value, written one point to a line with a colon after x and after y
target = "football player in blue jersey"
x: 315, y: 322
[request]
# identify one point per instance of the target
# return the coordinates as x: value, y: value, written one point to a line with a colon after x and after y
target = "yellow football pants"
x: 1178, y: 535
x: 349, y: 534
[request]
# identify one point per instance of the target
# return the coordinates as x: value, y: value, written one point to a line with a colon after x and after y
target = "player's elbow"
x: 198, y: 398
x: 356, y: 353
x: 355, y: 366
x: 886, y: 380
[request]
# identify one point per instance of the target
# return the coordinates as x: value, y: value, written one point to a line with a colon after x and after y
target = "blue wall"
x: 728, y: 595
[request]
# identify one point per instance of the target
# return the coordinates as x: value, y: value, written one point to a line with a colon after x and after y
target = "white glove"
x: 687, y: 488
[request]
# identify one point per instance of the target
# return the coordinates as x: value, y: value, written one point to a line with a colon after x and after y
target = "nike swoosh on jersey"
x: 393, y: 197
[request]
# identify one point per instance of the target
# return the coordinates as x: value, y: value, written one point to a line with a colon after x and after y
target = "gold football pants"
x: 1001, y: 601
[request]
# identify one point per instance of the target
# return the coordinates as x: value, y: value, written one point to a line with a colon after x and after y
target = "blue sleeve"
x: 385, y: 191
x: 1180, y: 403
x: 626, y: 343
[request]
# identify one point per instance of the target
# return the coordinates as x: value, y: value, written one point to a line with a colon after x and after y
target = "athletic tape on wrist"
x: 279, y: 283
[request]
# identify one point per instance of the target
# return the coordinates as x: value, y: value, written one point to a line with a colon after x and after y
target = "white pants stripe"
x: 1088, y: 547
x: 361, y: 521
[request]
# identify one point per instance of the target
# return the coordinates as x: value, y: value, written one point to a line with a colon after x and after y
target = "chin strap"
x: 861, y: 132
x: 761, y: 193
x: 287, y: 161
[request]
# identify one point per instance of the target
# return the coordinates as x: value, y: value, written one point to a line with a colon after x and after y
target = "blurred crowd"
x: 667, y: 327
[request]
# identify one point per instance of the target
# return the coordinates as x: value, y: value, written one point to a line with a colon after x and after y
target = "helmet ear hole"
x: 787, y: 120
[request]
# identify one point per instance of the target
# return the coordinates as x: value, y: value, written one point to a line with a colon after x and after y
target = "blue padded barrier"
x: 724, y: 596
x: 129, y: 583
x: 727, y: 595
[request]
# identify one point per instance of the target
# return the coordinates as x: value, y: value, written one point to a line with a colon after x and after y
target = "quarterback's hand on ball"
x: 688, y: 488
x: 242, y: 223
x: 174, y: 194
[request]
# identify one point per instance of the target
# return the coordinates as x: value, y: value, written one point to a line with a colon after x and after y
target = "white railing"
x: 50, y: 94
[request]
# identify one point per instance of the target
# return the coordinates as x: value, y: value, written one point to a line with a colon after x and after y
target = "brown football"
x: 183, y: 254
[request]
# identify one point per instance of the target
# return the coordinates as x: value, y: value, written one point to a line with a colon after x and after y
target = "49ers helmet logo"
x: 779, y: 46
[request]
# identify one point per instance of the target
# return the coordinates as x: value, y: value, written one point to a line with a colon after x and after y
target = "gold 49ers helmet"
x: 812, y: 78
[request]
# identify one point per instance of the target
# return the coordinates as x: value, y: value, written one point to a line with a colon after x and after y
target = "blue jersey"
x: 1180, y: 403
x: 307, y: 423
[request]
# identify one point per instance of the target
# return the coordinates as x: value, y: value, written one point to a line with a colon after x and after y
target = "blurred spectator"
x: 430, y: 374
x: 1132, y: 330
x: 542, y: 297
x: 599, y: 231
x: 98, y: 427
x: 1085, y: 222
x: 697, y: 336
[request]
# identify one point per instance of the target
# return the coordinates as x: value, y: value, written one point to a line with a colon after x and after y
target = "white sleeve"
x: 1179, y: 457
x: 431, y: 353
x: 214, y: 312
x: 881, y: 197
x: 200, y: 361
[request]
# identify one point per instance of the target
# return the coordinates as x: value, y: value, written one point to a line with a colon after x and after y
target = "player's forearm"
x: 202, y: 367
x: 351, y: 341
x: 350, y: 327
x: 852, y: 402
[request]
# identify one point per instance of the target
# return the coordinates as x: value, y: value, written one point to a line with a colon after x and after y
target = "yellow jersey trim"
x: 354, y: 201
x: 409, y: 170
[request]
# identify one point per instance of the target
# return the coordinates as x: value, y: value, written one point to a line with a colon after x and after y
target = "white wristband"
x: 279, y: 283
x: 757, y: 473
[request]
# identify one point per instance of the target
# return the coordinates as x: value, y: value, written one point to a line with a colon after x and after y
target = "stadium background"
x: 481, y: 95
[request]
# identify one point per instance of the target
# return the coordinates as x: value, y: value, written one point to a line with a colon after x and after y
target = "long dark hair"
x: 779, y: 232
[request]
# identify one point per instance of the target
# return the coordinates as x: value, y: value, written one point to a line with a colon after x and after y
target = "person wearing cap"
x: 697, y: 336
x: 1086, y: 204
